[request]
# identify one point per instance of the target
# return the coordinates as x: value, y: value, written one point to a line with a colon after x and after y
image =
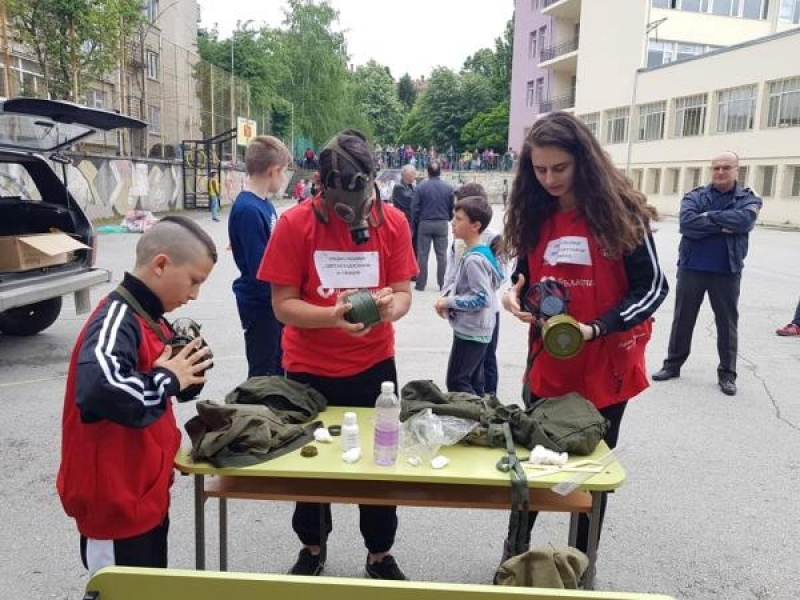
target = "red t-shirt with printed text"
x: 299, y: 248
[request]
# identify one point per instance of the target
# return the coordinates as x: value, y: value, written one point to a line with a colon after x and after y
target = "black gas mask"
x: 184, y: 331
x: 351, y: 203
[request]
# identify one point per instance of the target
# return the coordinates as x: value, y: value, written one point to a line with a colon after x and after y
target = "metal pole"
x: 291, y: 130
x: 233, y: 107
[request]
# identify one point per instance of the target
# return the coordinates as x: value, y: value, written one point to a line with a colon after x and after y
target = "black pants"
x: 614, y: 415
x: 146, y: 550
x: 723, y: 294
x: 796, y: 319
x: 262, y: 339
x: 490, y: 372
x: 378, y: 524
x: 465, y: 366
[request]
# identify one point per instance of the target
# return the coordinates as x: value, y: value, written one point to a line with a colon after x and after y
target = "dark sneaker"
x: 665, y: 374
x: 728, y: 387
x: 307, y: 564
x: 790, y: 330
x: 385, y: 569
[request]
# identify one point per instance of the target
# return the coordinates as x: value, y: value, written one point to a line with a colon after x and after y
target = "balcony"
x: 560, y: 57
x: 557, y: 103
x: 563, y: 9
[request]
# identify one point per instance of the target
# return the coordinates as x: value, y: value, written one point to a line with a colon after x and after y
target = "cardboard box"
x: 28, y: 252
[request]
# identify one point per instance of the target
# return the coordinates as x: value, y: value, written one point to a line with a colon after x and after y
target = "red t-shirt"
x: 302, y: 252
x: 610, y: 369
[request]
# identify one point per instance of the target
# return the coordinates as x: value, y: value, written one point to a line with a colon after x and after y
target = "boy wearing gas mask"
x: 119, y: 435
x: 322, y: 250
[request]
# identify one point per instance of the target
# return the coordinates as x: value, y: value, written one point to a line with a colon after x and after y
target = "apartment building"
x: 155, y: 80
x: 665, y: 84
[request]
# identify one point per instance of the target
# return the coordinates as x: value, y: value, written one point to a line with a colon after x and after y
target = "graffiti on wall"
x: 109, y: 188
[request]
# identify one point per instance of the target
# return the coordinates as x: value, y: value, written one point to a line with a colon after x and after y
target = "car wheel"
x: 30, y: 319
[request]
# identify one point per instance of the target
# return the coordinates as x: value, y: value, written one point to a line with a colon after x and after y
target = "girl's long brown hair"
x: 617, y: 215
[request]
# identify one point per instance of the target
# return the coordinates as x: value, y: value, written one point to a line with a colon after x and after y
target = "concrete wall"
x: 107, y: 188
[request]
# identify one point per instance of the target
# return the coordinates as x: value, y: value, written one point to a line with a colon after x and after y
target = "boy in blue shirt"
x: 250, y: 225
x: 469, y: 302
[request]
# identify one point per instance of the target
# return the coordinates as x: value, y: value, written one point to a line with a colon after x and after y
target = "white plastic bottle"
x: 387, y: 426
x: 349, y: 432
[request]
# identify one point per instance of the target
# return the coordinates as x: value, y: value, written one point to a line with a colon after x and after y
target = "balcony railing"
x: 552, y: 52
x: 557, y: 103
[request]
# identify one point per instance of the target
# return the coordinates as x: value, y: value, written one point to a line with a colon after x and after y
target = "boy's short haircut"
x: 265, y: 151
x: 471, y: 189
x: 180, y: 238
x: 477, y: 209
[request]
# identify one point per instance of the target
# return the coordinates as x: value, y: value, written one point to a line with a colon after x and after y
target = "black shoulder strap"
x: 137, y: 307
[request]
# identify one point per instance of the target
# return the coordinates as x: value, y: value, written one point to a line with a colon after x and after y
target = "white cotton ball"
x: 321, y: 434
x: 414, y: 461
x: 351, y: 456
x: 440, y: 462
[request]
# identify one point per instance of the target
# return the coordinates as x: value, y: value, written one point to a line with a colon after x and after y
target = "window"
x: 529, y: 93
x: 690, y: 116
x: 766, y: 180
x: 793, y: 180
x: 151, y: 10
x: 653, y: 181
x: 152, y: 64
x: 673, y: 183
x: 651, y: 121
x: 592, y: 121
x: 539, y: 91
x: 789, y: 12
x: 616, y: 125
x: 693, y: 175
x: 747, y: 9
x: 95, y: 99
x: 636, y: 178
x: 532, y: 44
x: 736, y: 109
x: 784, y: 103
x: 742, y: 178
x: 663, y: 52
x: 542, y: 39
x: 154, y: 117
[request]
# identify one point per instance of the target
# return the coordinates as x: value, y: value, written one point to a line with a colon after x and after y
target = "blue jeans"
x: 214, y: 205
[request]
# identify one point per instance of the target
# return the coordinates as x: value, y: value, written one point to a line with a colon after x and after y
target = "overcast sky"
x: 412, y: 36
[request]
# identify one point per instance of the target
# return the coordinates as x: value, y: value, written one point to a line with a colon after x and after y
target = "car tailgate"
x: 45, y: 287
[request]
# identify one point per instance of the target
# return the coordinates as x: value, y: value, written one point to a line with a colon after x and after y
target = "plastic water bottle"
x: 387, y: 425
x: 349, y: 432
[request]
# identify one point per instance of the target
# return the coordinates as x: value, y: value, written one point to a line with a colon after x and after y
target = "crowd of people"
x: 484, y: 159
x: 572, y: 218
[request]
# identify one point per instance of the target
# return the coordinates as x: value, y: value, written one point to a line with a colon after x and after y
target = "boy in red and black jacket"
x: 119, y: 434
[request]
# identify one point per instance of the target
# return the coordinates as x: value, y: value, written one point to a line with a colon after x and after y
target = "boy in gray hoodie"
x: 469, y: 302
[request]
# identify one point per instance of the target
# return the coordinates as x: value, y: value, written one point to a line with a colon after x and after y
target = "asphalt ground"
x: 708, y: 509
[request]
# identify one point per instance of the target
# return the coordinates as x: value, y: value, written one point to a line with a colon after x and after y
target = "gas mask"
x: 353, y: 206
x: 184, y: 331
x: 548, y: 302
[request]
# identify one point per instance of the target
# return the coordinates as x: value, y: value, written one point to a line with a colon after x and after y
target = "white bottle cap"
x: 349, y: 418
x: 387, y: 387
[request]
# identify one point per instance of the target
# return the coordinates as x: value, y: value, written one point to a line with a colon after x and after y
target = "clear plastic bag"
x: 425, y: 433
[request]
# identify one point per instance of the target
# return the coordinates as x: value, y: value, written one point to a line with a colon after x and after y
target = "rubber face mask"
x: 353, y: 208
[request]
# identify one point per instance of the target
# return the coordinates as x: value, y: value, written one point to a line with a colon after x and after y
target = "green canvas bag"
x: 568, y: 423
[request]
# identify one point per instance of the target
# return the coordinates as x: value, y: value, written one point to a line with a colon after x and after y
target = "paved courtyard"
x: 709, y: 509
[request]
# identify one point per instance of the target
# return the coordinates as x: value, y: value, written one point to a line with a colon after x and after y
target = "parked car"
x: 47, y: 244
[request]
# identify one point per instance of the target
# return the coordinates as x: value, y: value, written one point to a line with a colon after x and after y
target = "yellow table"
x: 471, y: 480
x: 128, y: 583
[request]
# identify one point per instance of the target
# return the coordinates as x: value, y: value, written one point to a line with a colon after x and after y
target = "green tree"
x: 74, y: 39
x: 488, y: 129
x: 406, y: 91
x: 376, y: 95
x: 495, y: 64
x: 412, y: 131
